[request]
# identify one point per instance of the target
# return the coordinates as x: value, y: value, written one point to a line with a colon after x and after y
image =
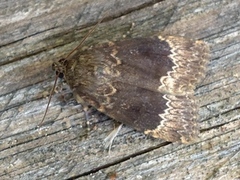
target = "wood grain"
x: 33, y: 34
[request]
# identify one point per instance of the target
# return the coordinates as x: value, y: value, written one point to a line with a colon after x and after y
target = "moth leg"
x: 60, y: 90
x: 109, y: 139
x: 84, y: 105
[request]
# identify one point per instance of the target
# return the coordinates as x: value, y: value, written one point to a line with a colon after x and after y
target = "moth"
x: 145, y: 83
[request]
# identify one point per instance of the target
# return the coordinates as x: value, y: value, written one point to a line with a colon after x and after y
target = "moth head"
x: 60, y: 67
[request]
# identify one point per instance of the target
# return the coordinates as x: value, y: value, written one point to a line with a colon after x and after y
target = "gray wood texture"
x: 33, y: 34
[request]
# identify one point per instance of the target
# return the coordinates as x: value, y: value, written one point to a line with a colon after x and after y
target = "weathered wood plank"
x: 34, y: 34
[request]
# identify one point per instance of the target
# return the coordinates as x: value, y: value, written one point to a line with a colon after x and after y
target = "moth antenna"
x: 49, y: 100
x: 85, y: 37
x: 55, y: 82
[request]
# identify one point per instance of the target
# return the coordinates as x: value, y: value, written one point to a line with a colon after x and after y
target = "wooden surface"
x: 33, y: 34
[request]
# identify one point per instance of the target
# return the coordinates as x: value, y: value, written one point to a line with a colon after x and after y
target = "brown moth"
x: 146, y: 83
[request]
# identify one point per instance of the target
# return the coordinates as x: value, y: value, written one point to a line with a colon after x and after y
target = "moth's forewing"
x: 146, y: 83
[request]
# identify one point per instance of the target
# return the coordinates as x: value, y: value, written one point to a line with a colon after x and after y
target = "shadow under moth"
x: 145, y: 83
